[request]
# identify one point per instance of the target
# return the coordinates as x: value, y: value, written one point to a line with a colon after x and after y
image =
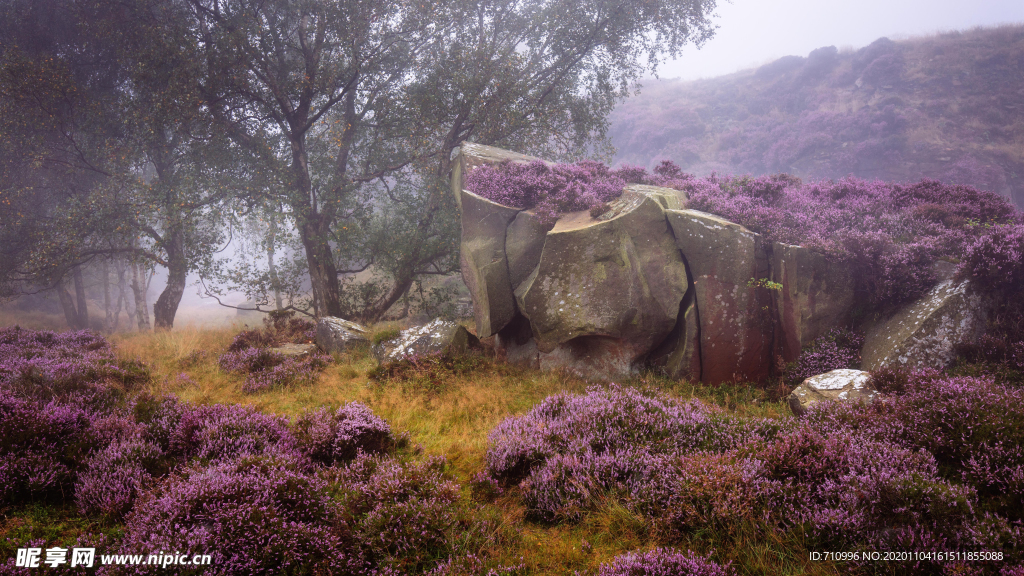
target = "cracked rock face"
x: 836, y: 386
x: 736, y: 318
x: 338, y: 335
x: 923, y: 334
x: 814, y: 295
x: 437, y: 337
x: 649, y: 283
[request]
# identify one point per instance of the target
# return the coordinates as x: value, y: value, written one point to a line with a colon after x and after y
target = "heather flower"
x: 115, y: 476
x: 42, y: 448
x: 330, y: 437
x: 664, y: 562
x: 571, y: 451
x: 224, y: 432
x: 837, y: 348
x: 551, y: 190
x: 256, y: 515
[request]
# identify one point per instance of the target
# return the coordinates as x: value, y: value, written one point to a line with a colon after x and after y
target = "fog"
x: 752, y: 32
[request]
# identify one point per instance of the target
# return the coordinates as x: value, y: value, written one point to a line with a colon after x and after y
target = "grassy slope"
x: 947, y: 107
x: 450, y: 417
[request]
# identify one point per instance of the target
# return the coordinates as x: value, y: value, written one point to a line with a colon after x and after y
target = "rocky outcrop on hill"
x: 646, y: 282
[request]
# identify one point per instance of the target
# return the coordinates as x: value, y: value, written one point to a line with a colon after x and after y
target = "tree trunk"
x: 141, y: 307
x: 68, y: 305
x: 275, y: 281
x: 83, y: 308
x: 177, y: 273
x: 108, y: 323
x: 122, y: 287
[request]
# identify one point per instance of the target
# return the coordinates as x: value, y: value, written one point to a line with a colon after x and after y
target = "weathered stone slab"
x: 484, y: 265
x: 668, y: 198
x: 470, y: 155
x: 838, y: 386
x: 296, y: 351
x: 815, y: 296
x: 338, y: 335
x: 923, y: 334
x: 437, y: 337
x: 524, y: 242
x: 736, y: 320
x: 620, y: 278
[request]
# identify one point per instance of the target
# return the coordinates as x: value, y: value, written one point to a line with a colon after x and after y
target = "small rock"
x: 296, y: 351
x: 838, y: 385
x: 338, y: 335
x: 437, y: 337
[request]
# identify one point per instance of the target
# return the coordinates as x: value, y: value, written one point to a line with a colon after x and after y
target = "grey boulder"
x: 338, y: 335
x: 837, y: 386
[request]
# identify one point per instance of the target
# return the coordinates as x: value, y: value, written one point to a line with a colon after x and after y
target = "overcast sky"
x: 752, y: 32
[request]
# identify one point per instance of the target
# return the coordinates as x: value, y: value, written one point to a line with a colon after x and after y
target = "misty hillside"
x: 947, y: 107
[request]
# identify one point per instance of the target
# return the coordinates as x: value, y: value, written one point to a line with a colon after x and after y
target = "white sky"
x: 753, y: 32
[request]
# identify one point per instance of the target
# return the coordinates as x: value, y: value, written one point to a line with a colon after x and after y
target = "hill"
x: 948, y: 107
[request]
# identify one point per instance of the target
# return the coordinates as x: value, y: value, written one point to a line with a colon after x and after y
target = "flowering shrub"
x: 72, y: 367
x: 224, y: 432
x: 404, y: 514
x: 571, y: 449
x: 937, y: 462
x: 115, y: 476
x: 330, y: 437
x: 266, y: 370
x: 663, y: 562
x: 550, y: 191
x: 838, y: 348
x: 255, y: 515
x: 42, y: 448
x: 891, y: 234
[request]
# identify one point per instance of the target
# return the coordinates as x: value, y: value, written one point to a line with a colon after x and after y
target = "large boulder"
x: 338, y: 335
x: 606, y: 290
x: 813, y: 295
x: 437, y: 337
x: 484, y: 264
x: 837, y: 386
x: 729, y: 265
x: 922, y: 335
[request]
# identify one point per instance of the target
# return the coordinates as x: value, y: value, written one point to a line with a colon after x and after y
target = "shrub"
x: 550, y: 191
x: 407, y: 516
x: 571, y: 450
x: 42, y: 448
x: 329, y: 437
x: 838, y: 348
x: 266, y: 370
x: 224, y: 432
x: 71, y: 367
x: 664, y: 562
x: 115, y: 476
x: 255, y: 515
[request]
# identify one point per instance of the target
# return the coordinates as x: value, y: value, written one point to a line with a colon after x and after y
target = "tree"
x: 121, y: 161
x: 331, y: 96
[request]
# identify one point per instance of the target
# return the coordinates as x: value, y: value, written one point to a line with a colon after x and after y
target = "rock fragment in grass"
x: 844, y: 385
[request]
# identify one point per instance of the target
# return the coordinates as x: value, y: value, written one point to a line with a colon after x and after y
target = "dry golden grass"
x: 452, y: 419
